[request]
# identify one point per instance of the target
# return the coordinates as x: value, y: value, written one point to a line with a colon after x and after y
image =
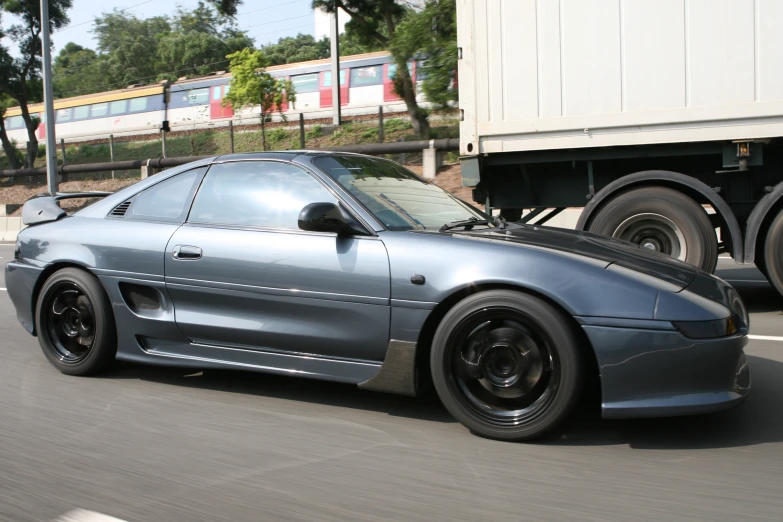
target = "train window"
x: 14, y: 122
x: 216, y: 93
x: 198, y: 96
x: 421, y: 71
x: 138, y: 105
x: 118, y: 107
x: 363, y: 76
x: 80, y: 113
x: 63, y: 115
x: 305, y: 82
x: 328, y: 78
x: 391, y: 72
x: 98, y: 110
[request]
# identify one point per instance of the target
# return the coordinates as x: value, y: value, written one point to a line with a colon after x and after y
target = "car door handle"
x: 186, y: 253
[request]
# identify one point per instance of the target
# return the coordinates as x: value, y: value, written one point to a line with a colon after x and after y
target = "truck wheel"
x: 773, y: 254
x: 507, y: 365
x: 663, y: 220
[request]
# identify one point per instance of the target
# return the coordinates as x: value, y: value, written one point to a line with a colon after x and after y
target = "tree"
x: 75, y: 71
x: 375, y: 22
x: 6, y: 71
x: 299, y: 48
x: 432, y: 32
x: 129, y: 48
x: 23, y: 76
x: 226, y: 7
x: 251, y: 85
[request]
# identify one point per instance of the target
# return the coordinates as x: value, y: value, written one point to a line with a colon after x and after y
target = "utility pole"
x: 51, y: 147
x: 335, y: 37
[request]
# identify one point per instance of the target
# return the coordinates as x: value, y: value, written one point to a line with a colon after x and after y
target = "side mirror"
x: 327, y: 217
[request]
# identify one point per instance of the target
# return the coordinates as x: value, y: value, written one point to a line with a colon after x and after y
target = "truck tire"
x: 772, y: 257
x: 663, y: 220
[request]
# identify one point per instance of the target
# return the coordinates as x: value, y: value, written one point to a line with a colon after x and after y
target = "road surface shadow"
x: 755, y: 421
x: 426, y: 407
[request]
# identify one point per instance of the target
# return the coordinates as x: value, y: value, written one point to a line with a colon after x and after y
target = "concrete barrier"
x: 13, y: 225
x: 3, y: 227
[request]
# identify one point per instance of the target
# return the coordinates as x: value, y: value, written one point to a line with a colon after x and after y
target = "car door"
x: 242, y: 274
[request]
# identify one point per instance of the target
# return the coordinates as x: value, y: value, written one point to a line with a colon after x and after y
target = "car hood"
x: 586, y: 244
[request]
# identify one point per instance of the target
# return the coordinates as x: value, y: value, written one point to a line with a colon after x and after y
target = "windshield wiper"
x: 470, y: 223
x: 466, y: 223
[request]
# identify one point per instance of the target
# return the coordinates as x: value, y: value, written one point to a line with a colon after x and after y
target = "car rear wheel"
x: 772, y: 258
x: 663, y: 220
x: 507, y: 365
x: 74, y: 322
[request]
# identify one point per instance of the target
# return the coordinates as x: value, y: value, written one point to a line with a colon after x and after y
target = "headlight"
x: 738, y: 309
x: 708, y: 329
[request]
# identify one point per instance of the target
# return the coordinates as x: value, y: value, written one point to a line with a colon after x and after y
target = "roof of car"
x: 279, y: 155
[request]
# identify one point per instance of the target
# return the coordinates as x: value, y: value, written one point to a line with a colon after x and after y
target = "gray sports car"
x: 350, y: 268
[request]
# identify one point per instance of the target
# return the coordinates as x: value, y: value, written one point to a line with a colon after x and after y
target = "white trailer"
x: 662, y: 118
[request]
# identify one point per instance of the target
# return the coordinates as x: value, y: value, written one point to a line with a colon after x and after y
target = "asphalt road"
x: 149, y: 445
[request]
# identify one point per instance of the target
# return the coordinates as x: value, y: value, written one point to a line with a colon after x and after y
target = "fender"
x: 673, y: 180
x: 757, y: 218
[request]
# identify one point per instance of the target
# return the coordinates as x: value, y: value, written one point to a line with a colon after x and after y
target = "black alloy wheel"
x: 507, y: 365
x: 74, y: 323
x: 70, y: 322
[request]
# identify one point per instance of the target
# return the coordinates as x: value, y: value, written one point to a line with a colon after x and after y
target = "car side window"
x: 165, y: 200
x: 267, y: 194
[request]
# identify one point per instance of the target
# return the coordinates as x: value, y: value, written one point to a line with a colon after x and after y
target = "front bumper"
x: 20, y: 281
x: 660, y: 373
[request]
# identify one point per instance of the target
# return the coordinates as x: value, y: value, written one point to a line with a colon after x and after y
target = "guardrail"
x: 431, y: 150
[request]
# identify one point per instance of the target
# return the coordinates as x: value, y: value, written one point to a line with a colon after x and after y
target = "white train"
x: 366, y: 83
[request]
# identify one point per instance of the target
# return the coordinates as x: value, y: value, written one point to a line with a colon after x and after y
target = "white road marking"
x: 4, y: 289
x: 765, y: 337
x: 82, y: 515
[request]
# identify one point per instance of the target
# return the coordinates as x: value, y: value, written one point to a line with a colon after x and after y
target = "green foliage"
x: 375, y: 22
x: 314, y: 132
x: 432, y: 33
x: 279, y: 135
x: 226, y: 7
x: 128, y: 48
x: 370, y: 134
x: 76, y: 71
x: 251, y: 85
x: 21, y: 76
x: 396, y: 124
x: 299, y: 48
x: 132, y: 50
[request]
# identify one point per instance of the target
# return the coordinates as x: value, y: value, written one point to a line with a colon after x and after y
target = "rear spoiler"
x: 44, y: 208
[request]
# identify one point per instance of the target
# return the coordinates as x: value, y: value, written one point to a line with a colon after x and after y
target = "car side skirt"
x: 398, y: 372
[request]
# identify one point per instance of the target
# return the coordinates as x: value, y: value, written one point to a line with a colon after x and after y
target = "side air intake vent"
x: 140, y: 298
x: 120, y: 209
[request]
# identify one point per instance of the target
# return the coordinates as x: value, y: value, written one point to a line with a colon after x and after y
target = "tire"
x: 485, y: 365
x: 773, y: 254
x: 663, y: 219
x: 74, y: 322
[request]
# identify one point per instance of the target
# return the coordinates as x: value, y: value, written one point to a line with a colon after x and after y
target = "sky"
x: 264, y: 20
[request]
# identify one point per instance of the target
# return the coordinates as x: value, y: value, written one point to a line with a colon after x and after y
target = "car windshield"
x: 395, y: 196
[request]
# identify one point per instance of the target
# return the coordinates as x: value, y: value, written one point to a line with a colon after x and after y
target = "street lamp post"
x: 335, y: 48
x: 51, y: 147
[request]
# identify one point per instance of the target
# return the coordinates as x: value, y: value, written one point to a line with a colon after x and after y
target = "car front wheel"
x: 507, y: 365
x: 74, y: 322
